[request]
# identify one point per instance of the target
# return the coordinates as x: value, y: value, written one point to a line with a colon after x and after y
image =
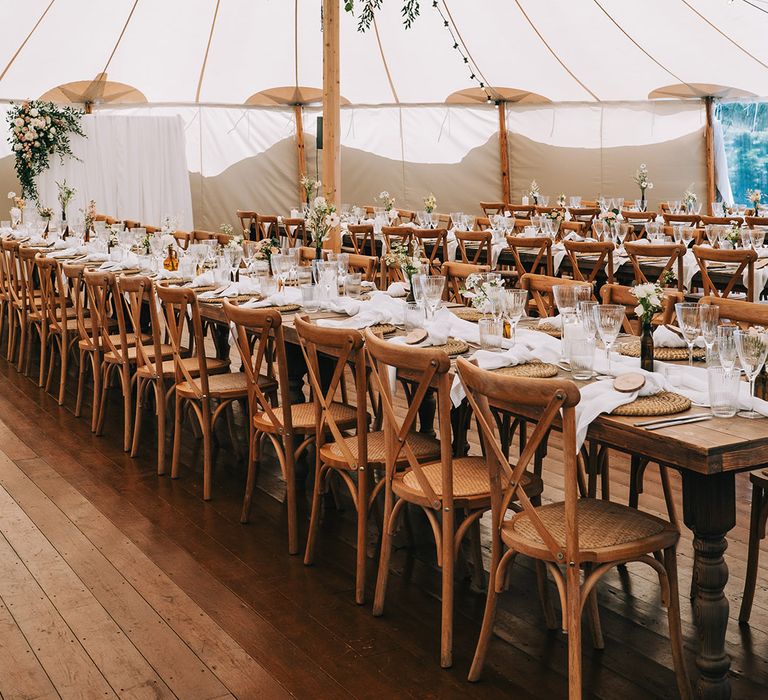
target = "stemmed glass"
x: 608, y: 318
x: 711, y: 232
x: 281, y: 267
x: 726, y: 346
x: 709, y: 315
x: 620, y: 231
x: 432, y: 288
x: 752, y: 348
x: 567, y: 296
x: 514, y: 307
x: 689, y: 321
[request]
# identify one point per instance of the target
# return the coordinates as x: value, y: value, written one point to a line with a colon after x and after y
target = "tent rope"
x: 553, y: 52
x: 119, y: 39
x: 207, y: 50
x: 28, y: 37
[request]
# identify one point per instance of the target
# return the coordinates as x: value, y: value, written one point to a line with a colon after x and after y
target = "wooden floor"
x: 117, y: 582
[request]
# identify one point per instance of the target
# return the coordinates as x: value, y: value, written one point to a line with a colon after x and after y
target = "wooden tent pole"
x: 302, y: 161
x: 710, y: 154
x: 504, y: 151
x: 331, y: 112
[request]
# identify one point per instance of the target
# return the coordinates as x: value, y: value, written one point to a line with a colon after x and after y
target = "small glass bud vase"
x: 646, y: 346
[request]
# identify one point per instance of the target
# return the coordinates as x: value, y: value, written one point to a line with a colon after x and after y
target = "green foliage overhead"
x: 409, y: 11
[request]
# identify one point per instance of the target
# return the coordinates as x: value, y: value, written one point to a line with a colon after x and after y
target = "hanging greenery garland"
x: 39, y: 130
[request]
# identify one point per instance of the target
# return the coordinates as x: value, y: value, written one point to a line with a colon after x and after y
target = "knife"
x: 679, y: 421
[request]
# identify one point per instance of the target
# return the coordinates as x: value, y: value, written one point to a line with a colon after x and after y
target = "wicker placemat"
x: 220, y: 300
x: 285, y: 308
x: 549, y: 330
x: 538, y: 370
x: 631, y: 348
x: 454, y: 346
x: 207, y: 288
x: 664, y: 403
x: 469, y: 314
x: 132, y: 271
x: 383, y: 328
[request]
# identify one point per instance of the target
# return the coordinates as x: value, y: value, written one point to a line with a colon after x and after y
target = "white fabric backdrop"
x: 134, y: 167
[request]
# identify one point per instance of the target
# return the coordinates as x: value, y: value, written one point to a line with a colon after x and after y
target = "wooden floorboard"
x: 299, y: 625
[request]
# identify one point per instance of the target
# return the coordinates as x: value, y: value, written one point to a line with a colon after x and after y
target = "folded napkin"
x: 62, y: 244
x: 204, y: 280
x: 118, y: 265
x: 665, y: 338
x: 343, y: 305
x: 95, y: 257
x: 234, y: 289
x: 552, y: 321
x: 380, y: 309
x: 63, y: 253
x: 168, y: 275
x: 516, y: 355
x: 398, y: 289
x: 289, y: 295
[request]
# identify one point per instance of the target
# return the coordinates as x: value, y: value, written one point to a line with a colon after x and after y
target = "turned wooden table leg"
x: 220, y: 336
x: 709, y: 507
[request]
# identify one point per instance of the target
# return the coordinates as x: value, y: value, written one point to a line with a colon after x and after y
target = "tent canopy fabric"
x: 224, y: 51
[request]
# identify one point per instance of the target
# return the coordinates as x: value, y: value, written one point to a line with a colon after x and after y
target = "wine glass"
x: 709, y: 315
x: 567, y: 296
x: 281, y: 266
x: 514, y: 307
x: 726, y: 346
x: 712, y: 235
x: 752, y: 348
x: 432, y: 287
x: 608, y: 318
x: 689, y: 321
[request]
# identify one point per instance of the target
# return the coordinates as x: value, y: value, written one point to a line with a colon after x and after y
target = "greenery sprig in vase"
x: 408, y: 260
x: 642, y: 181
x: 650, y: 298
x: 321, y: 218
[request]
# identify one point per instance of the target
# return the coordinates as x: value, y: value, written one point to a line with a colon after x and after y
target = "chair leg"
x: 140, y: 388
x: 489, y: 615
x: 125, y: 382
x: 759, y: 503
x: 97, y: 378
x: 386, y: 550
x: 290, y: 496
x: 63, y: 372
x: 669, y: 498
x: 446, y: 636
x: 250, y: 482
x: 80, y: 385
x: 314, y: 519
x: 51, y: 366
x: 22, y: 344
x: 176, y: 438
x: 675, y: 627
x: 43, y: 351
x: 363, y: 484
x: 546, y: 599
x: 573, y: 614
x: 160, y: 405
x: 476, y: 549
x: 594, y: 616
x: 102, y: 400
x: 207, y: 449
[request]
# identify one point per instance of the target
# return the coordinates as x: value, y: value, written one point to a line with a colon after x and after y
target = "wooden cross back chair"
x: 5, y: 298
x: 61, y: 328
x: 295, y: 232
x: 363, y: 239
x: 721, y: 220
x: 405, y: 217
x: 33, y: 310
x: 434, y: 244
x: 393, y: 236
x: 438, y: 486
x: 221, y: 238
x: 289, y: 426
x: 619, y: 294
x: 742, y: 259
x: 590, y: 259
x: 155, y: 367
x: 366, y: 265
x: 492, y: 208
x: 248, y: 223
x: 585, y: 215
x: 752, y: 221
x: 482, y: 223
x: 207, y: 396
x: 686, y: 219
x: 308, y: 253
x: 539, y: 247
x: 183, y: 239
x: 521, y: 211
x: 567, y: 536
x: 541, y: 296
x: 672, y: 253
x: 267, y: 227
x: 566, y: 227
x: 474, y: 247
x: 16, y: 309
x: 745, y: 314
x: 456, y: 274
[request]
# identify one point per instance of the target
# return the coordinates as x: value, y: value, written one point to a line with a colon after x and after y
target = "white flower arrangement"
x: 649, y: 297
x: 321, y: 218
x: 227, y: 229
x: 478, y: 288
x: 430, y: 202
x: 689, y: 198
x: 641, y: 179
x: 407, y: 259
x: 18, y: 202
x: 171, y: 223
x: 65, y: 194
x: 310, y: 186
x: 754, y: 196
x: 561, y: 201
x: 266, y: 248
x: 533, y: 191
x: 387, y: 200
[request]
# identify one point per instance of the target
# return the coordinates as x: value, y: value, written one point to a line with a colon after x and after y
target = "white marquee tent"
x: 228, y: 71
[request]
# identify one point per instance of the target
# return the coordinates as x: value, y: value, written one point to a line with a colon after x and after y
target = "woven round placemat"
x: 237, y: 298
x: 285, y: 308
x: 538, y: 370
x: 469, y: 314
x: 664, y: 403
x: 383, y: 328
x: 454, y: 346
x: 631, y: 348
x: 207, y: 288
x: 549, y: 330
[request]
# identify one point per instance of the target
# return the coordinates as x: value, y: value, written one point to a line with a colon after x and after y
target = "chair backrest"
x: 347, y: 348
x: 752, y: 221
x: 548, y: 400
x: 742, y: 258
x: 688, y: 219
x: 54, y: 296
x: 428, y: 369
x: 268, y: 351
x: 12, y: 271
x: 672, y: 253
x: 267, y: 227
x: 75, y: 275
x: 405, y: 217
x: 742, y: 313
x: 585, y: 215
x: 32, y: 302
x: 248, y: 223
x: 540, y: 291
x: 105, y: 303
x: 492, y: 208
x: 539, y: 247
x: 434, y: 244
x: 309, y: 253
x: 589, y: 259
x: 136, y: 290
x: 367, y: 265
x: 295, y: 231
x: 395, y: 235
x: 456, y: 274
x: 131, y: 224
x: 222, y: 238
x: 474, y: 246
x: 363, y: 238
x: 721, y: 220
x: 619, y: 294
x: 566, y: 227
x: 180, y: 305
x: 636, y: 217
x: 521, y: 211
x: 183, y: 239
x: 482, y: 223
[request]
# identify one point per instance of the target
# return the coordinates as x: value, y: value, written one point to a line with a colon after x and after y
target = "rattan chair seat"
x: 214, y: 365
x: 166, y: 350
x: 115, y: 340
x: 303, y: 417
x: 607, y: 531
x: 423, y: 446
x: 229, y: 385
x: 470, y: 481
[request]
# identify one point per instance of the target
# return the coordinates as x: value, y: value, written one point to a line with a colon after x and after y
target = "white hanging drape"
x: 133, y: 167
x: 723, y: 190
